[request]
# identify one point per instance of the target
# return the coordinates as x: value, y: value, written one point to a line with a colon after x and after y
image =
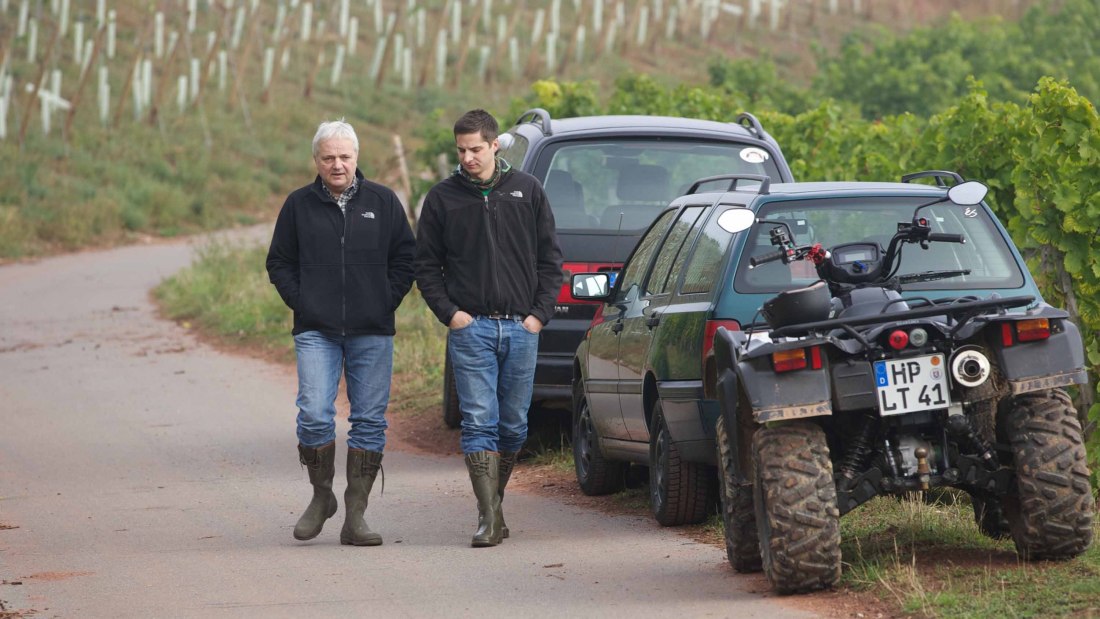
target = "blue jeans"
x: 494, y: 366
x: 367, y: 362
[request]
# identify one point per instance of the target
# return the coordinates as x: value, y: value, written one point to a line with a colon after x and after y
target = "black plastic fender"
x: 725, y: 343
x: 1046, y: 364
x: 774, y: 397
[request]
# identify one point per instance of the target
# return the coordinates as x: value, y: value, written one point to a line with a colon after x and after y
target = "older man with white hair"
x: 341, y: 258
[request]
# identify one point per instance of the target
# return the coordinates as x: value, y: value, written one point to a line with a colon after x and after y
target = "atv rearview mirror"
x: 968, y: 193
x: 736, y: 220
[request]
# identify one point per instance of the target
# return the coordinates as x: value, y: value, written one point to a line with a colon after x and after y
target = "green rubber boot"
x: 363, y: 467
x: 507, y: 463
x: 484, y: 468
x: 320, y: 463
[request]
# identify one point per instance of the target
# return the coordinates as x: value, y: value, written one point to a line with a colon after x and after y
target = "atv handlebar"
x: 946, y: 238
x: 756, y: 261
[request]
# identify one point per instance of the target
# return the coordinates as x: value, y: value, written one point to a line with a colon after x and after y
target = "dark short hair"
x: 478, y: 121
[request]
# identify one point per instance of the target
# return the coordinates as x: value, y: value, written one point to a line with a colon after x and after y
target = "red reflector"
x: 815, y: 358
x: 899, y: 339
x: 1007, y: 338
x: 1033, y: 330
x: 789, y: 360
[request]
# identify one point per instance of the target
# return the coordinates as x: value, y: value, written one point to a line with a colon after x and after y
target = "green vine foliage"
x: 881, y: 73
x: 1041, y: 160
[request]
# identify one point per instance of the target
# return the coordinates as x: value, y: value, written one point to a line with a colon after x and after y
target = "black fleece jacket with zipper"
x: 342, y: 274
x: 488, y: 254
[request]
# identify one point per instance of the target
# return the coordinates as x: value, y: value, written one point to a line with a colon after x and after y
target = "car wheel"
x: 738, y: 516
x: 596, y: 474
x: 796, y: 513
x: 1051, y: 512
x: 679, y: 492
x: 452, y: 414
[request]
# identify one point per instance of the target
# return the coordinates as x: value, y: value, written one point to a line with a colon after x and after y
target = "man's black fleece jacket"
x: 487, y: 254
x: 342, y: 275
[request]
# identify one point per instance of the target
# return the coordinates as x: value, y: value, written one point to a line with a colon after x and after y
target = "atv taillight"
x: 797, y: 359
x: 1032, y: 330
x: 898, y: 339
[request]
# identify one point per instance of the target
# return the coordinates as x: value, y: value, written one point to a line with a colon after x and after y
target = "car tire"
x: 452, y: 414
x: 596, y: 475
x: 679, y: 492
x: 1051, y: 513
x: 797, y: 517
x: 738, y: 515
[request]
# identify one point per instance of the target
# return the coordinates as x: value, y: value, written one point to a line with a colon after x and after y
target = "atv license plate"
x: 911, y: 385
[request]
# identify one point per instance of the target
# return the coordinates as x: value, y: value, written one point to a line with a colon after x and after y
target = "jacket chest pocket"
x: 364, y: 237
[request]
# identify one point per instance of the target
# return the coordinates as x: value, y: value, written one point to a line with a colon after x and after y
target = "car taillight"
x: 711, y: 329
x: 1031, y: 330
x: 797, y: 359
x: 565, y: 294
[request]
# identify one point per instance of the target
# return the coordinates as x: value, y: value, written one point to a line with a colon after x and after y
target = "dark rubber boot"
x: 320, y: 462
x: 507, y: 463
x: 484, y: 468
x: 363, y: 467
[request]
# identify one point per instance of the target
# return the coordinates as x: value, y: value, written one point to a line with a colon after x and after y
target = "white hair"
x: 334, y: 129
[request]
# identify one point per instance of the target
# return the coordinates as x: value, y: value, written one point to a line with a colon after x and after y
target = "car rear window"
x: 623, y: 184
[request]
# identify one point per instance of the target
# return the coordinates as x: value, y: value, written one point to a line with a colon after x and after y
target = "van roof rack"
x: 536, y: 114
x: 939, y: 175
x: 750, y: 122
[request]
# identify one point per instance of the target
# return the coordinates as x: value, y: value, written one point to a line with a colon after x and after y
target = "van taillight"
x: 712, y: 328
x: 565, y: 294
x: 1031, y: 330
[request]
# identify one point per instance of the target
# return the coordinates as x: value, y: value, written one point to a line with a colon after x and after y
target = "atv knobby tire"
x: 738, y: 515
x: 1052, y: 512
x: 796, y: 511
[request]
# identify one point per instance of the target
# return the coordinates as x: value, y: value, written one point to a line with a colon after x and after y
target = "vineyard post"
x: 33, y: 95
x: 387, y: 36
x: 211, y: 54
x: 128, y: 82
x: 75, y: 103
x: 158, y: 95
x: 78, y: 41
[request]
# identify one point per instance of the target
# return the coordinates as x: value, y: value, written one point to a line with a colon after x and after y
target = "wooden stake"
x: 406, y: 185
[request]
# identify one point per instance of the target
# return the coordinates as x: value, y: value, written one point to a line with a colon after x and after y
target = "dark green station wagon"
x: 644, y: 375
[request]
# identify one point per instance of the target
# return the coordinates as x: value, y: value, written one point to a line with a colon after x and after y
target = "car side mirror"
x: 591, y: 286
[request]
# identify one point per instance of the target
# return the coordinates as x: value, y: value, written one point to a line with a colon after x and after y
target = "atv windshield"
x: 830, y: 222
x: 624, y: 184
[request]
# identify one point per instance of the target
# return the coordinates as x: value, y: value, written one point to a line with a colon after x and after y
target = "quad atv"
x: 850, y: 389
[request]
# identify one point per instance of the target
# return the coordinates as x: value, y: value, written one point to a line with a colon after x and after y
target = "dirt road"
x: 144, y: 474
